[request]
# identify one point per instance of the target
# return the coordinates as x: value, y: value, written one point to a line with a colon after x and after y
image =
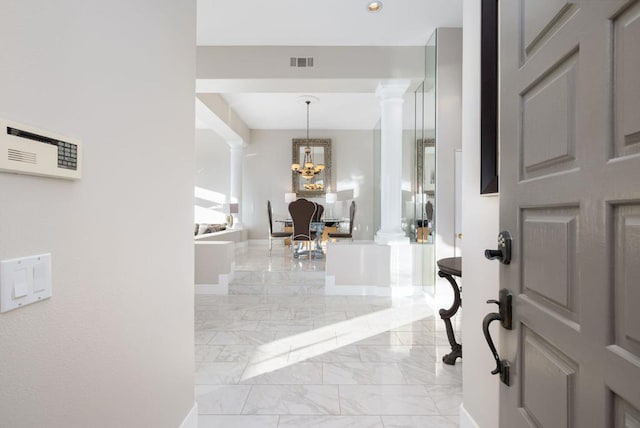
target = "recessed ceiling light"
x: 374, y: 6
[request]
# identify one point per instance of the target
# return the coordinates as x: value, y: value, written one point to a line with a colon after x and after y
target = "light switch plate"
x: 24, y: 281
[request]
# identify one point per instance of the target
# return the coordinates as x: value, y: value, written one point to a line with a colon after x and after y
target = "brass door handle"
x: 459, y: 235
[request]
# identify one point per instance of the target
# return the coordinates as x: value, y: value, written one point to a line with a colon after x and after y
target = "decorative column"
x: 391, y: 100
x: 236, y: 149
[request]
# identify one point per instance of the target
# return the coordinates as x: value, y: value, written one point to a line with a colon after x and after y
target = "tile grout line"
x: 246, y: 399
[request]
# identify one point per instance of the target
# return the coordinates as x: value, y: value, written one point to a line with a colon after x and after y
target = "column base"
x: 386, y: 238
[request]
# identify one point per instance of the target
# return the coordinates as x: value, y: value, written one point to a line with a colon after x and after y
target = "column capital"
x: 236, y: 144
x: 388, y: 89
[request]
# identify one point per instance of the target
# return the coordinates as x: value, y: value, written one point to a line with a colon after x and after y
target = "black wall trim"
x: 489, y: 98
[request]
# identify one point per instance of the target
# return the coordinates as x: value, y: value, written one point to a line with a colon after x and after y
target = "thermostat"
x: 28, y: 150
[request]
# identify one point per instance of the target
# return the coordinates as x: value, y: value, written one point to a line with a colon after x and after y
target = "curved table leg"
x: 446, y: 314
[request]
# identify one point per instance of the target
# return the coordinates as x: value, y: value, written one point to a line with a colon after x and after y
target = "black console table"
x: 448, y: 268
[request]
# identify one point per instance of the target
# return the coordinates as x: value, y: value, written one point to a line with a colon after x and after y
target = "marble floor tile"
x: 204, y: 337
x: 217, y: 314
x: 283, y: 354
x: 295, y: 326
x: 342, y: 354
x: 221, y: 399
x: 397, y: 354
x: 242, y: 338
x: 293, y: 400
x: 230, y: 325
x: 214, y: 373
x: 386, y: 400
x: 430, y: 373
x: 207, y: 352
x: 247, y: 290
x: 362, y: 374
x: 447, y: 398
x: 267, y: 315
x: 252, y: 353
x: 330, y: 422
x: 264, y: 366
x: 416, y: 337
x: 237, y: 421
x: 283, y: 373
x: 386, y: 338
x: 419, y: 422
x: 312, y: 350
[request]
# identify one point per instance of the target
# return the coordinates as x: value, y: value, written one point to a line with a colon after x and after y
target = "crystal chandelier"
x: 308, y: 170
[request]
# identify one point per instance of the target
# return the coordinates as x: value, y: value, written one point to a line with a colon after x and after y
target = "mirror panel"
x: 321, y: 154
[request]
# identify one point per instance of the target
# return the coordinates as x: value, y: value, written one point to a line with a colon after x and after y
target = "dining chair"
x: 302, y: 212
x: 422, y: 226
x: 319, y: 211
x: 344, y: 235
x: 274, y: 235
x: 317, y: 218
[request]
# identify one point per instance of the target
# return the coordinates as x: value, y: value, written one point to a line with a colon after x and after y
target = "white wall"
x: 480, y: 228
x: 212, y: 177
x: 114, y: 346
x: 267, y: 175
x: 331, y: 62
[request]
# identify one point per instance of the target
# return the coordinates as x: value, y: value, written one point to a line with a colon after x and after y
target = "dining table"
x: 316, y: 226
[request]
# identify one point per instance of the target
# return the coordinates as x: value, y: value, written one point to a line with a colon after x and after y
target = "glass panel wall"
x: 377, y: 147
x: 426, y: 170
x: 419, y: 172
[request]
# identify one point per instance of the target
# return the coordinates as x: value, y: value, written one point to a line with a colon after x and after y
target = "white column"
x: 236, y: 150
x: 391, y: 100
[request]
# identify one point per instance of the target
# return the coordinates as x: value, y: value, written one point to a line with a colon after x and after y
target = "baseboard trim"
x: 191, y: 420
x: 466, y: 421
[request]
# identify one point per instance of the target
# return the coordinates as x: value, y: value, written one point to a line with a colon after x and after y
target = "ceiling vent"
x: 301, y: 62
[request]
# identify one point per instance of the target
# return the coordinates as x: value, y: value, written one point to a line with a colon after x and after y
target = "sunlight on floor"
x: 312, y: 343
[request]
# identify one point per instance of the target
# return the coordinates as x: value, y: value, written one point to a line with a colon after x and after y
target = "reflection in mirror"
x: 425, y: 191
x: 312, y: 184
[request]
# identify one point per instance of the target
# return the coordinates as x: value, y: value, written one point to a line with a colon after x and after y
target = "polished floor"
x: 278, y: 353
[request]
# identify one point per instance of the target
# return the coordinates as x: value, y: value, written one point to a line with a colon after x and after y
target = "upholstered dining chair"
x: 317, y: 217
x: 319, y: 211
x: 274, y: 235
x: 302, y: 212
x: 344, y: 235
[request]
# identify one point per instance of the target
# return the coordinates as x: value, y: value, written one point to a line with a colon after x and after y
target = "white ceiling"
x: 326, y: 23
x: 287, y: 111
x: 273, y: 104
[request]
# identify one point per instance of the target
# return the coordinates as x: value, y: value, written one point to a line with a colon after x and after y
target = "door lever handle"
x: 493, y: 254
x: 488, y: 319
x: 504, y: 316
x: 503, y: 253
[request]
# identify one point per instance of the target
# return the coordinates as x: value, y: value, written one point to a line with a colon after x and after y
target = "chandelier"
x: 308, y: 170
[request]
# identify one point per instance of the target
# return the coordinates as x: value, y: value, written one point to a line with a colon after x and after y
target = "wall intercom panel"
x: 28, y: 150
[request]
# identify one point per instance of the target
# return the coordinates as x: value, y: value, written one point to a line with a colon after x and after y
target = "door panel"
x: 539, y: 17
x: 549, y: 271
x: 548, y: 387
x: 627, y: 63
x: 570, y: 196
x: 627, y: 238
x: 626, y: 415
x: 550, y: 148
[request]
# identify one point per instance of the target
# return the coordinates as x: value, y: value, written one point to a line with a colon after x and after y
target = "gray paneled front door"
x: 570, y: 196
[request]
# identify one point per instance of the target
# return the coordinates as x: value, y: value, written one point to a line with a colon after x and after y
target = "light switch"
x: 41, y: 276
x: 25, y: 280
x: 21, y: 282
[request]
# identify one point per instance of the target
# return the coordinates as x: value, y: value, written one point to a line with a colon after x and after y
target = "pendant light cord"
x: 308, y: 102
